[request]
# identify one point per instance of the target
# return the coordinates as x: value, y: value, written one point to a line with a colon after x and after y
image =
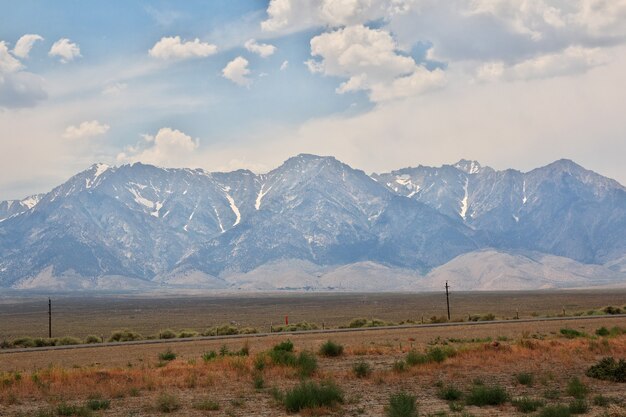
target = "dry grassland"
x: 138, y: 383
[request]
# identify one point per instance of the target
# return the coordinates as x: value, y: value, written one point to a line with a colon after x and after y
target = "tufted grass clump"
x: 482, y: 395
x: 331, y: 349
x: 525, y: 378
x: 167, y: 403
x: 167, y: 334
x: 92, y: 339
x: 125, y: 335
x: 311, y: 395
x: 571, y: 333
x: 527, y: 405
x: 401, y: 404
x: 167, y: 356
x: 362, y: 369
x: 449, y: 393
x: 576, y: 388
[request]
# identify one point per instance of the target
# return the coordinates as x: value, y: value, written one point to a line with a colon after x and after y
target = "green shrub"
x: 297, y: 327
x: 25, y: 342
x: 331, y: 349
x: 167, y: 334
x: 555, y: 411
x: 306, y: 364
x: 258, y: 381
x: 309, y: 394
x: 98, y: 404
x: 360, y: 322
x: 282, y: 357
x: 576, y: 388
x: 524, y: 378
x: 286, y: 346
x: 482, y: 395
x: 205, y: 405
x: 438, y: 354
x: 248, y: 330
x: 185, y: 334
x: 209, y: 356
x: 401, y: 404
x: 449, y: 393
x: 602, y: 331
x: 44, y: 342
x: 608, y: 369
x: 361, y: 369
x: 167, y: 403
x: 571, y: 333
x: 578, y: 406
x: 167, y: 356
x: 415, y: 358
x: 93, y: 339
x: 124, y: 336
x: 527, y: 405
x: 68, y: 341
x: 612, y: 310
x: 224, y: 351
x: 226, y: 330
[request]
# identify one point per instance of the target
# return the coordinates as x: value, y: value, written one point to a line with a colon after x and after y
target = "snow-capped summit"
x: 469, y: 167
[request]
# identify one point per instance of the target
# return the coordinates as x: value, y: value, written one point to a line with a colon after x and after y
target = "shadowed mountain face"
x: 152, y: 224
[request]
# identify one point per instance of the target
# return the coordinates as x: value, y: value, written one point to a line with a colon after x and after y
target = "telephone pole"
x: 49, y: 318
x: 448, y: 300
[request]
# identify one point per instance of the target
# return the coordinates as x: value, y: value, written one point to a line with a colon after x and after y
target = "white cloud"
x: 65, y: 49
x: 573, y: 60
x: 262, y: 49
x: 284, y: 65
x: 86, y: 130
x: 169, y: 147
x: 114, y: 89
x: 370, y: 60
x: 175, y: 48
x: 18, y: 88
x: 295, y: 15
x: 7, y: 62
x: 237, y: 71
x: 25, y: 44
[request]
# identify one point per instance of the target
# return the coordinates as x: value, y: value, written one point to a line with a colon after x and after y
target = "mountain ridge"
x: 157, y: 224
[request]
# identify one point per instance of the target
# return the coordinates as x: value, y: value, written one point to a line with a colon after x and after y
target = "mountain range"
x: 315, y: 223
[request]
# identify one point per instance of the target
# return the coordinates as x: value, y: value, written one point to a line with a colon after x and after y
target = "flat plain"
x: 149, y: 314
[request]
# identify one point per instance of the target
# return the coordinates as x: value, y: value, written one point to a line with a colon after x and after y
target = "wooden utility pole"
x: 448, y: 300
x: 49, y: 318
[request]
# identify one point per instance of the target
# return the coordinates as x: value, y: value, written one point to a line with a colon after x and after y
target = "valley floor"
x: 139, y: 381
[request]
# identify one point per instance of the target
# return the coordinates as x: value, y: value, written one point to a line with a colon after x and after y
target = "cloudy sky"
x: 231, y: 84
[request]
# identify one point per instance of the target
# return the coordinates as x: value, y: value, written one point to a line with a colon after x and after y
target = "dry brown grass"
x: 228, y: 380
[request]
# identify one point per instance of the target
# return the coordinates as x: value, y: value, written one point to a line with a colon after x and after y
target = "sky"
x: 380, y: 85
